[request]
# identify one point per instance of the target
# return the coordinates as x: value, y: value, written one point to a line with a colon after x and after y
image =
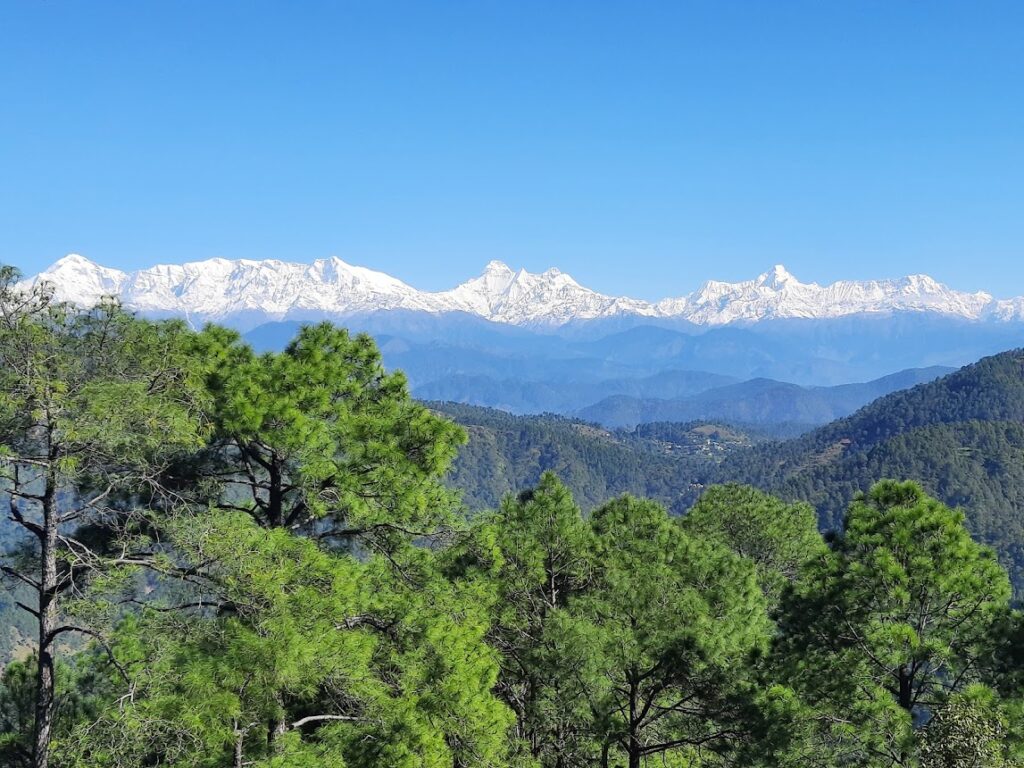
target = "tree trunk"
x: 633, y: 747
x: 45, y: 682
x: 239, y: 760
x: 634, y: 752
x: 906, y: 697
x: 275, y: 494
x: 278, y: 727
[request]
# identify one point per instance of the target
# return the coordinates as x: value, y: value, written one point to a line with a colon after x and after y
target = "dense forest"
x: 507, y: 454
x: 223, y: 558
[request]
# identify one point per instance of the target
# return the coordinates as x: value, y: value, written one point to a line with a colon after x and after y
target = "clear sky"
x: 641, y: 146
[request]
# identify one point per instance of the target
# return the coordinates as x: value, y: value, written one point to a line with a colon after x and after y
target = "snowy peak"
x: 81, y: 281
x: 778, y: 294
x: 484, y: 295
x: 524, y: 298
x: 777, y: 277
x: 495, y: 267
x: 245, y: 292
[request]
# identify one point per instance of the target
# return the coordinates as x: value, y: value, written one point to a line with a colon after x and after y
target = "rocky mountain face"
x: 246, y: 293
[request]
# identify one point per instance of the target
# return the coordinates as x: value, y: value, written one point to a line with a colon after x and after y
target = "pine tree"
x: 306, y: 621
x: 896, y: 619
x: 93, y: 405
x: 777, y: 537
x: 677, y: 620
x: 536, y: 554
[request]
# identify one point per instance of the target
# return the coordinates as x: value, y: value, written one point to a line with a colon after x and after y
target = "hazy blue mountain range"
x: 433, y: 348
x: 778, y: 372
x: 756, y: 402
x: 518, y: 396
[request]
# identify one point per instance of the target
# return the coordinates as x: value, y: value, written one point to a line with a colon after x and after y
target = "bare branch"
x: 318, y: 718
x: 24, y: 607
x: 20, y: 577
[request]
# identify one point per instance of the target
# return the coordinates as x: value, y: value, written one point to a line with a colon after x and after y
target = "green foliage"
x: 898, y: 617
x: 320, y: 436
x: 777, y: 537
x: 295, y: 617
x: 94, y: 405
x: 624, y: 637
x: 536, y: 553
x: 969, y: 732
x: 309, y: 652
x: 76, y: 697
x: 113, y: 388
x: 17, y: 712
x: 677, y: 620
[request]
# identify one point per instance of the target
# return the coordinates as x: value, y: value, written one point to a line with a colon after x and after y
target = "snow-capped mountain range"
x: 246, y: 293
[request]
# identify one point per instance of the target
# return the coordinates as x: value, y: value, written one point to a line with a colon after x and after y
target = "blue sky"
x: 641, y: 146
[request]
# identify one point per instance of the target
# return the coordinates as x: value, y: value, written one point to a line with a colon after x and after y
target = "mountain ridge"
x: 756, y: 402
x: 245, y: 293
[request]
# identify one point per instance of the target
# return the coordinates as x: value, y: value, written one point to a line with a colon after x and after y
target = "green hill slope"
x: 507, y: 454
x: 961, y: 436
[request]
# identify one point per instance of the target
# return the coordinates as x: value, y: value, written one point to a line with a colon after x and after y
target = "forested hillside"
x: 507, y: 454
x: 962, y: 437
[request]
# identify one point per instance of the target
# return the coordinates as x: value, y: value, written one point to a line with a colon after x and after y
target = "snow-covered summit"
x: 778, y: 294
x: 245, y: 292
x: 524, y: 298
x: 81, y: 281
